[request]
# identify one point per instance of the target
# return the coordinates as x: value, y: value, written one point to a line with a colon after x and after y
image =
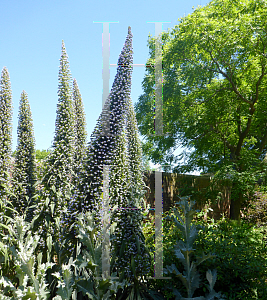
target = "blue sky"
x: 30, y: 48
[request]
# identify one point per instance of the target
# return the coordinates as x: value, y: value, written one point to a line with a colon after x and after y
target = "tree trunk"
x: 235, y: 207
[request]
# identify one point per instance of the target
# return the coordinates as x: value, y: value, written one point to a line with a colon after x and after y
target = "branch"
x: 229, y: 146
x: 238, y: 121
x: 229, y: 79
x: 245, y: 132
x: 200, y: 135
x: 258, y: 83
x: 225, y: 74
x: 216, y: 92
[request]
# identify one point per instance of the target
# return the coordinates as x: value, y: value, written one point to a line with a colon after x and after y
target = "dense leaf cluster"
x: 256, y: 212
x: 214, y: 92
x: 240, y: 256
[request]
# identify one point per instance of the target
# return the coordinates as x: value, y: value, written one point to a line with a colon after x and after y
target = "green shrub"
x: 256, y: 212
x: 186, y: 253
x: 170, y: 236
x: 240, y: 261
x: 241, y: 258
x: 174, y: 263
x: 28, y: 280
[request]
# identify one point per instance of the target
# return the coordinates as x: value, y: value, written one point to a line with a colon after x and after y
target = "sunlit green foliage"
x: 241, y: 257
x: 41, y: 154
x: 27, y: 279
x: 214, y: 92
x: 185, y: 252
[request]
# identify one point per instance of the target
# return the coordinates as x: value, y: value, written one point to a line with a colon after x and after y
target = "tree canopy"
x: 214, y: 91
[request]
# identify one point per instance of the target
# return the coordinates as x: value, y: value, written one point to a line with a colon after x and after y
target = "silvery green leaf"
x: 211, y: 277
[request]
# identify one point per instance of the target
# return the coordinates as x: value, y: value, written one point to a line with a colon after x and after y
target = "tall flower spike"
x: 24, y: 174
x: 135, y: 155
x: 128, y: 230
x: 5, y: 132
x: 61, y: 159
x: 79, y: 154
x: 109, y: 124
x: 59, y: 163
x: 109, y: 145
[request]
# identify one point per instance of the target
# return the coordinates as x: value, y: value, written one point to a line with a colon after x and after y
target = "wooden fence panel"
x: 177, y: 185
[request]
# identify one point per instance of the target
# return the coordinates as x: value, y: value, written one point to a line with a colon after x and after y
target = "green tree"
x: 24, y: 174
x: 214, y: 94
x: 146, y: 162
x: 5, y: 131
x: 41, y: 154
x: 59, y: 163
